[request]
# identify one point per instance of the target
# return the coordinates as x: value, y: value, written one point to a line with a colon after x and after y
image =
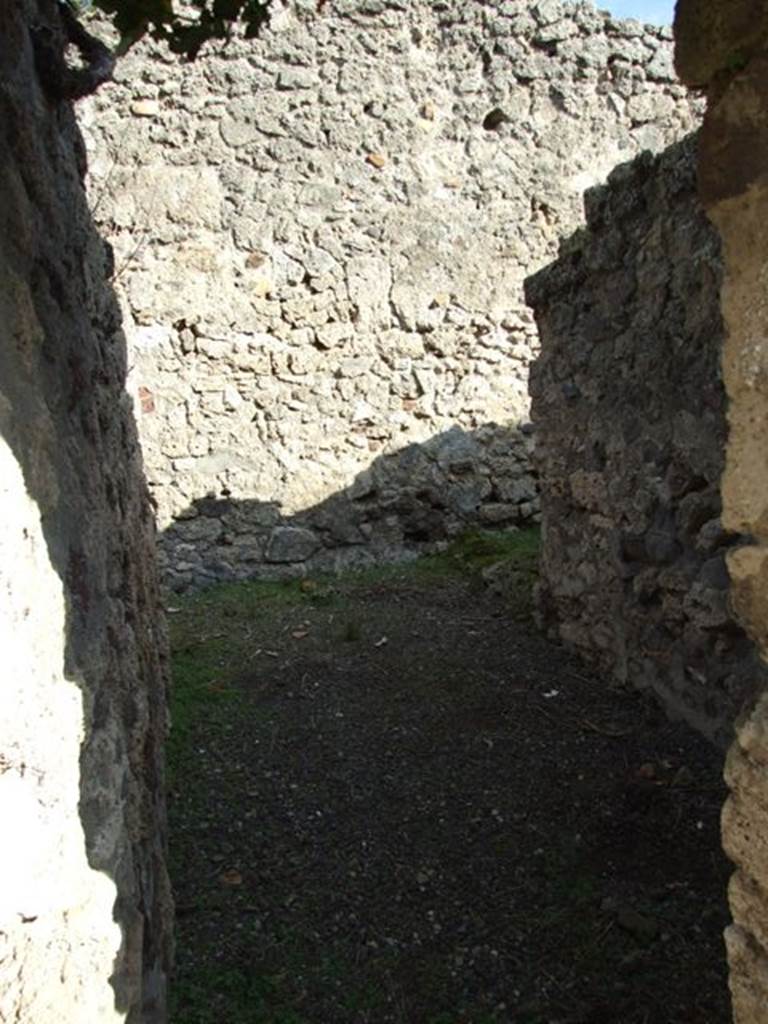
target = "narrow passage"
x: 393, y: 801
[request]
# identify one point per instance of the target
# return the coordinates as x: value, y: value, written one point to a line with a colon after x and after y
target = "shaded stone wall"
x: 723, y: 46
x: 85, y: 907
x: 320, y: 241
x: 629, y: 408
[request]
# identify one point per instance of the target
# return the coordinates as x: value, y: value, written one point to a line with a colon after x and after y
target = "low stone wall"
x: 629, y: 408
x: 402, y: 503
x: 320, y: 239
x: 85, y: 908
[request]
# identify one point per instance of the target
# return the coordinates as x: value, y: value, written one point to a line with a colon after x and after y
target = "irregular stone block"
x: 291, y: 544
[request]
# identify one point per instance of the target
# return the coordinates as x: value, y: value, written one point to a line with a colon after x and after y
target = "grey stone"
x: 199, y: 529
x: 548, y: 11
x: 291, y: 544
x: 296, y: 78
x: 498, y: 512
x: 457, y: 453
x: 661, y: 66
x: 516, y: 490
x: 466, y: 498
x: 711, y: 536
x: 714, y: 573
x: 363, y: 486
x: 660, y: 547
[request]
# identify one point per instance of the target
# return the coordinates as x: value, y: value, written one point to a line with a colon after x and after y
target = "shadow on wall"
x: 629, y: 407
x: 404, y: 504
x: 85, y: 921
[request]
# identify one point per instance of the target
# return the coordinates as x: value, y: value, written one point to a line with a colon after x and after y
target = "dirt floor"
x: 393, y: 801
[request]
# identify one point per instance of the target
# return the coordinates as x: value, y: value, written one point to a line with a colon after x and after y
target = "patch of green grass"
x: 363, y: 999
x: 468, y: 554
x: 198, y: 688
x: 481, y: 548
x: 229, y: 603
x: 210, y: 640
x: 217, y: 994
x: 476, y: 550
x: 508, y: 562
x: 210, y: 630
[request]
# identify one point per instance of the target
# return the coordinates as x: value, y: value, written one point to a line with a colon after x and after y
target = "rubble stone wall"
x: 84, y: 907
x: 629, y: 407
x: 320, y: 240
x: 723, y: 46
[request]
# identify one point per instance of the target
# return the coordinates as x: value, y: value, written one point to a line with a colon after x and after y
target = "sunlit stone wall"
x: 320, y: 240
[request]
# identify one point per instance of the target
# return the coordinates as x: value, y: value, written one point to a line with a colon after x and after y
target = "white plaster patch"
x: 58, y: 939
